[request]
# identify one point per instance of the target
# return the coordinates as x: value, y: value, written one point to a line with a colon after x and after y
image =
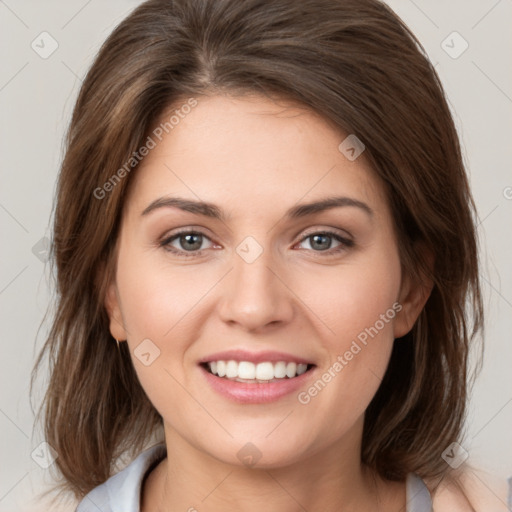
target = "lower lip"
x: 256, y: 393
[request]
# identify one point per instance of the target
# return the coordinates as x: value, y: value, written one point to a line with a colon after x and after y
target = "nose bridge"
x: 255, y: 296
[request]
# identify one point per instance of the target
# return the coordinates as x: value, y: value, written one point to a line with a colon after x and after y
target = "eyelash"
x: 165, y: 243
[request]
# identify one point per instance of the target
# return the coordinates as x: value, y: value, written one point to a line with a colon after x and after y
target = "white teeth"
x: 246, y: 370
x: 231, y: 369
x: 291, y: 370
x: 221, y: 368
x: 280, y: 370
x: 301, y: 368
x: 265, y: 371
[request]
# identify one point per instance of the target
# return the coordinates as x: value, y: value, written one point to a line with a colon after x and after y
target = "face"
x: 221, y: 267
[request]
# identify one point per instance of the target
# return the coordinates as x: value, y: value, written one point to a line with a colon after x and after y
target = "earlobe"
x: 113, y: 308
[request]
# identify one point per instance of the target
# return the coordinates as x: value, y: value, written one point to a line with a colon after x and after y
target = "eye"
x: 322, y: 241
x: 184, y: 242
x: 190, y: 243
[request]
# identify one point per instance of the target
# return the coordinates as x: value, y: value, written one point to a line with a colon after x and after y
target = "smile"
x: 246, y: 377
x: 249, y: 372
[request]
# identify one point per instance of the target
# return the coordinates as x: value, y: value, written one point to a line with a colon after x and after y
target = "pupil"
x: 317, y: 240
x: 193, y: 241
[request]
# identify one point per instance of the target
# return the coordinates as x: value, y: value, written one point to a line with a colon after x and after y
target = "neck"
x: 333, y: 479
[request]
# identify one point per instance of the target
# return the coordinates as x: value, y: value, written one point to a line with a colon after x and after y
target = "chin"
x: 260, y: 453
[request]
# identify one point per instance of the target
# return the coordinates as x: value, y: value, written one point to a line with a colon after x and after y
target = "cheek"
x: 351, y: 298
x: 358, y: 305
x: 156, y: 298
x: 158, y: 310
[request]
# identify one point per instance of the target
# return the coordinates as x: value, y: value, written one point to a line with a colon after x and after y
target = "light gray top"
x: 121, y: 492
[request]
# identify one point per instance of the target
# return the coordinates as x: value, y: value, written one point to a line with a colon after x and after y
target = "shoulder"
x: 469, y: 490
x: 122, y: 491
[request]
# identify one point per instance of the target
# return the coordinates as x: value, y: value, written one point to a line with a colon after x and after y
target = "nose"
x: 255, y: 295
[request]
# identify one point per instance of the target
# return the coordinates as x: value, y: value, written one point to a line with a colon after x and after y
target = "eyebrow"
x: 214, y: 212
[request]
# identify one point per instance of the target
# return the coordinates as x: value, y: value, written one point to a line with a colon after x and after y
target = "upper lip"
x: 254, y: 357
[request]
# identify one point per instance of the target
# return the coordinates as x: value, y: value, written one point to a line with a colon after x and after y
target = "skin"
x: 255, y: 158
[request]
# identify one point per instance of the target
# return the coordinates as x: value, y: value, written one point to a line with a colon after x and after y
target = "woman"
x: 264, y: 203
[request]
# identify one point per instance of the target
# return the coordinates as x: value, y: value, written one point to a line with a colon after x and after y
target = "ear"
x: 113, y: 308
x: 413, y: 296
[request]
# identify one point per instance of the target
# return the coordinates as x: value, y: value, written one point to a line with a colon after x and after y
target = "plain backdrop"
x: 37, y: 92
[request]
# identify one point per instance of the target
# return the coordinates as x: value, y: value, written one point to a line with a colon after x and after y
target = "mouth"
x: 251, y: 378
x: 256, y: 373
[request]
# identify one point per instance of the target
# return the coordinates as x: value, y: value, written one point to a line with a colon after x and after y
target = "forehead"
x: 250, y: 150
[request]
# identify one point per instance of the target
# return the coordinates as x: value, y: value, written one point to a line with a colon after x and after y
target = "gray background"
x: 36, y: 98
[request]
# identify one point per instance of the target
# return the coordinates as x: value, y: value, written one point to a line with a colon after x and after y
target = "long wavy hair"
x: 355, y: 63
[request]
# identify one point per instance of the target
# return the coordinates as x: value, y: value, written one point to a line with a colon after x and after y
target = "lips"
x: 248, y: 377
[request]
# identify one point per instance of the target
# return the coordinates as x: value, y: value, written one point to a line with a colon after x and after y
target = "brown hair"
x: 355, y: 63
